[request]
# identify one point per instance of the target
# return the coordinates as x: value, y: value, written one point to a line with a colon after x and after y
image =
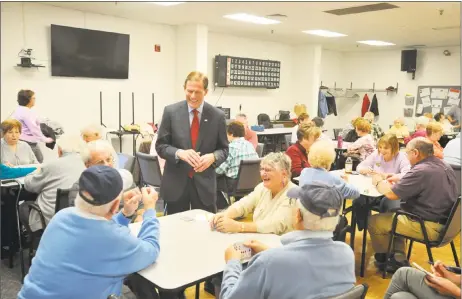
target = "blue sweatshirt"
x: 309, y: 265
x: 317, y: 174
x: 13, y: 173
x: 85, y: 256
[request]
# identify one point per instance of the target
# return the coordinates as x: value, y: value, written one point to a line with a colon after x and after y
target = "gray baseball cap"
x: 318, y: 198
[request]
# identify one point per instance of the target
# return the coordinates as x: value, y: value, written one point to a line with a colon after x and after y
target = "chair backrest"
x: 24, y: 212
x: 62, y: 199
x: 264, y: 120
x: 456, y: 169
x: 248, y: 176
x: 288, y: 139
x: 357, y: 292
x: 259, y: 149
x: 126, y: 162
x: 337, y: 132
x: 452, y: 227
x: 150, y: 169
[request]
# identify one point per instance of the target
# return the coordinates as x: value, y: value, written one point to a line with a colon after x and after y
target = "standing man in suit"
x: 192, y: 139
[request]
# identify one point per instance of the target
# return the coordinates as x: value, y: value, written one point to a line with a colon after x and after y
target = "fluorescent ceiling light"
x: 243, y: 17
x: 375, y: 43
x: 167, y: 3
x: 324, y: 33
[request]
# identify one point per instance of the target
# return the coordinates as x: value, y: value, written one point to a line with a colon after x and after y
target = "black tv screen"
x: 77, y: 52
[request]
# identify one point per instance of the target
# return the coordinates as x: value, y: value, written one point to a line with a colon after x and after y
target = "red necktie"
x: 194, y: 134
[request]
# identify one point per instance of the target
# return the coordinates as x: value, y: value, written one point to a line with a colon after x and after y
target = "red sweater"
x: 299, y: 157
x: 420, y: 133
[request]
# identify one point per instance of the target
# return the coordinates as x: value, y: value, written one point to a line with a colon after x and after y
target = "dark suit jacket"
x: 174, y: 134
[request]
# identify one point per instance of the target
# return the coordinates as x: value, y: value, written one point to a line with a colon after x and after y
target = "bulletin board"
x: 436, y: 98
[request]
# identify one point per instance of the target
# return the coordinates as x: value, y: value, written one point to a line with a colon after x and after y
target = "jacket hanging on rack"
x: 331, y: 105
x: 374, y: 106
x: 322, y: 105
x: 366, y: 104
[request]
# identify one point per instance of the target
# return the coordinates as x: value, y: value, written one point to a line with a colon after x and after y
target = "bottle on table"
x: 339, y: 141
x: 349, y: 165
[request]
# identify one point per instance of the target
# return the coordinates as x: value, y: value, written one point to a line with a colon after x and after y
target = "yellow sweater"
x: 271, y: 215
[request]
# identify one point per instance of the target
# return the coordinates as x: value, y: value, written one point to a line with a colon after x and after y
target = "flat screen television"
x: 77, y: 52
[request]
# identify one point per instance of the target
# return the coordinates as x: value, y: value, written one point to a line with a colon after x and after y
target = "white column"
x: 191, y: 54
x: 307, y: 76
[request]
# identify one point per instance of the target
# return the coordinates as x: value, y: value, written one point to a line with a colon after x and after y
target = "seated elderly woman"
x: 365, y: 145
x: 377, y: 131
x: 319, y: 122
x: 321, y: 157
x: 307, y: 134
x: 439, y: 117
x: 349, y: 133
x: 269, y: 203
x: 15, y: 152
x: 434, y: 133
x: 60, y: 173
x: 399, y: 129
x: 392, y: 165
x: 96, y: 132
x: 420, y: 129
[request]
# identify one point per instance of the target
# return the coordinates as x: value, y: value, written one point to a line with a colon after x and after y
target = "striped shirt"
x: 239, y: 149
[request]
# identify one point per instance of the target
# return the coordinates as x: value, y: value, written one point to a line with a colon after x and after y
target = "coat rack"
x: 373, y: 90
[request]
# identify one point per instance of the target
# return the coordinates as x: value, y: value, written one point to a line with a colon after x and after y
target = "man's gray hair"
x: 314, y: 222
x: 278, y: 161
x: 422, y: 121
x: 101, y: 211
x: 423, y: 145
x: 72, y: 144
x: 98, y: 146
x: 93, y: 128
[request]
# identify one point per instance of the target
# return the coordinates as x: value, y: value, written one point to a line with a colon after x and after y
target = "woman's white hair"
x: 72, y: 144
x: 314, y: 222
x: 93, y: 129
x: 278, y: 161
x: 322, y: 154
x: 102, y: 211
x: 98, y: 146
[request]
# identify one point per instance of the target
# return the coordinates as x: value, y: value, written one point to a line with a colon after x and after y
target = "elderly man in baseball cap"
x: 87, y: 251
x: 309, y: 263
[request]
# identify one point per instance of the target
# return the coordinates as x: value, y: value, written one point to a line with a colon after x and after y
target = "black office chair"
x: 150, y: 174
x: 447, y: 235
x: 63, y: 199
x: 33, y: 237
x: 357, y: 292
x: 456, y: 169
x: 248, y: 178
x: 264, y: 120
x: 336, y: 133
x: 126, y: 162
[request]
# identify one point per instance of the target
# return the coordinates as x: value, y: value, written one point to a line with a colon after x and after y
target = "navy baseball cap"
x: 318, y: 198
x: 102, y: 183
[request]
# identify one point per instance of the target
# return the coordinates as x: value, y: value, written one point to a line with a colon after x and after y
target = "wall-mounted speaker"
x: 408, y: 61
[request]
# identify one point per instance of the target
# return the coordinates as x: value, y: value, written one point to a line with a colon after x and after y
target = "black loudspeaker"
x: 408, y: 61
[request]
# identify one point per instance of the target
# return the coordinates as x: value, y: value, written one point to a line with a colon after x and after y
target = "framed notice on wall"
x: 246, y: 72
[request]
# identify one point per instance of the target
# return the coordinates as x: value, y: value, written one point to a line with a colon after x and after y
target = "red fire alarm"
x: 157, y: 48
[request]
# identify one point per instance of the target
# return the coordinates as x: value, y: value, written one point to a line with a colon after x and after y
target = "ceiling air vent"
x: 361, y: 9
